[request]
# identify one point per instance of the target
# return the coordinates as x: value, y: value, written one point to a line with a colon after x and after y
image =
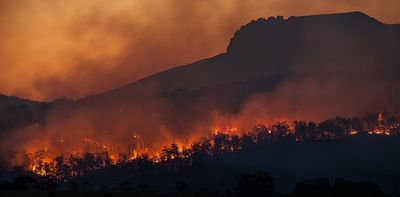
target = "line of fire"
x: 92, y: 155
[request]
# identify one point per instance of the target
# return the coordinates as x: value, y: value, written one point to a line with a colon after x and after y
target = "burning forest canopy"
x: 307, y: 68
x: 93, y: 156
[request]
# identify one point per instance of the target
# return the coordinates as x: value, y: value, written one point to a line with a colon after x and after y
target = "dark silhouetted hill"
x: 16, y: 112
x: 265, y: 47
x: 323, y: 65
x: 333, y: 63
x: 349, y: 55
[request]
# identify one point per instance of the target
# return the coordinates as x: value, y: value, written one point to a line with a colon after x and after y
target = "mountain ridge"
x: 164, y: 76
x: 355, y: 15
x: 297, y: 64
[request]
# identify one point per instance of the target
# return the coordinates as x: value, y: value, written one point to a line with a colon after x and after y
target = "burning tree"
x: 176, y: 156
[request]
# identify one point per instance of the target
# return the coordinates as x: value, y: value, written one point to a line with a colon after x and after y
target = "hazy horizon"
x: 62, y: 48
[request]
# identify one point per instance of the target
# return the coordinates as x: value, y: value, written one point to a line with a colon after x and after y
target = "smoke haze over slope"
x: 62, y: 48
x: 304, y: 68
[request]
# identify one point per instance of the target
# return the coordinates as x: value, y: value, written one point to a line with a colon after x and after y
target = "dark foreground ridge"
x: 259, y: 184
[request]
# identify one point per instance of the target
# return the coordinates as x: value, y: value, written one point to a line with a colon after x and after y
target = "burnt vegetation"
x: 353, y: 57
x: 224, y: 157
x: 370, y: 125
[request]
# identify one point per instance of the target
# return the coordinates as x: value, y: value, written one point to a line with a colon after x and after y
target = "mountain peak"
x: 352, y: 18
x: 274, y: 31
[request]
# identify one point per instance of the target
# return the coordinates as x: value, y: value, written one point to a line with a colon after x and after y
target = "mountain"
x: 308, y: 67
x: 300, y: 67
x: 16, y: 113
x: 265, y: 54
x: 266, y: 47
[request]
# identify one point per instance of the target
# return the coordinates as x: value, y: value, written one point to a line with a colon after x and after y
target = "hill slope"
x: 309, y: 67
x: 265, y: 47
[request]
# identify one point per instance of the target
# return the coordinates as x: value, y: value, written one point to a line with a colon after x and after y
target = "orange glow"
x: 353, y: 132
x: 63, y: 48
x: 41, y: 153
x: 46, y: 42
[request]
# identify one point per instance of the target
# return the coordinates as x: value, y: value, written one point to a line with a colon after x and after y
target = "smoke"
x: 73, y: 48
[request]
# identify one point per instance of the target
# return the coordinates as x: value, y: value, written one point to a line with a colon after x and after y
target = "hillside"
x: 308, y: 67
x: 299, y: 62
x: 265, y: 47
x: 16, y: 113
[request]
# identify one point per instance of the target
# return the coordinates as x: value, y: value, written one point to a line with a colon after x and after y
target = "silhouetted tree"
x: 235, y: 143
x: 260, y: 134
x: 331, y: 129
x: 247, y: 140
x: 259, y: 184
x: 169, y: 153
x: 300, y: 130
x: 370, y: 120
x: 144, y: 163
x: 221, y: 142
x: 357, y: 125
x: 280, y: 130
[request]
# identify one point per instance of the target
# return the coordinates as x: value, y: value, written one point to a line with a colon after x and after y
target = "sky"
x: 72, y: 48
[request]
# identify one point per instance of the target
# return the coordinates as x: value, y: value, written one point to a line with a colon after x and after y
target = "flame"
x: 353, y: 132
x: 44, y: 159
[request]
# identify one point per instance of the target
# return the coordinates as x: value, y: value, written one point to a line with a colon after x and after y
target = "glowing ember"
x: 93, y: 155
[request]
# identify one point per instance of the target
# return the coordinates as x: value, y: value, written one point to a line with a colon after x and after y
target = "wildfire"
x: 353, y: 132
x: 95, y: 155
x: 385, y: 125
x: 228, y: 130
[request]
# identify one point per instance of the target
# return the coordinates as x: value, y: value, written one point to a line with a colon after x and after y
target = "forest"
x: 241, y: 158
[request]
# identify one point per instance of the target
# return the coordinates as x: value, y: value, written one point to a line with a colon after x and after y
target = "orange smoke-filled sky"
x: 55, y: 48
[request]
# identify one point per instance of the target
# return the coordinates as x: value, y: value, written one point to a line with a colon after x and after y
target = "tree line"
x: 174, y: 157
